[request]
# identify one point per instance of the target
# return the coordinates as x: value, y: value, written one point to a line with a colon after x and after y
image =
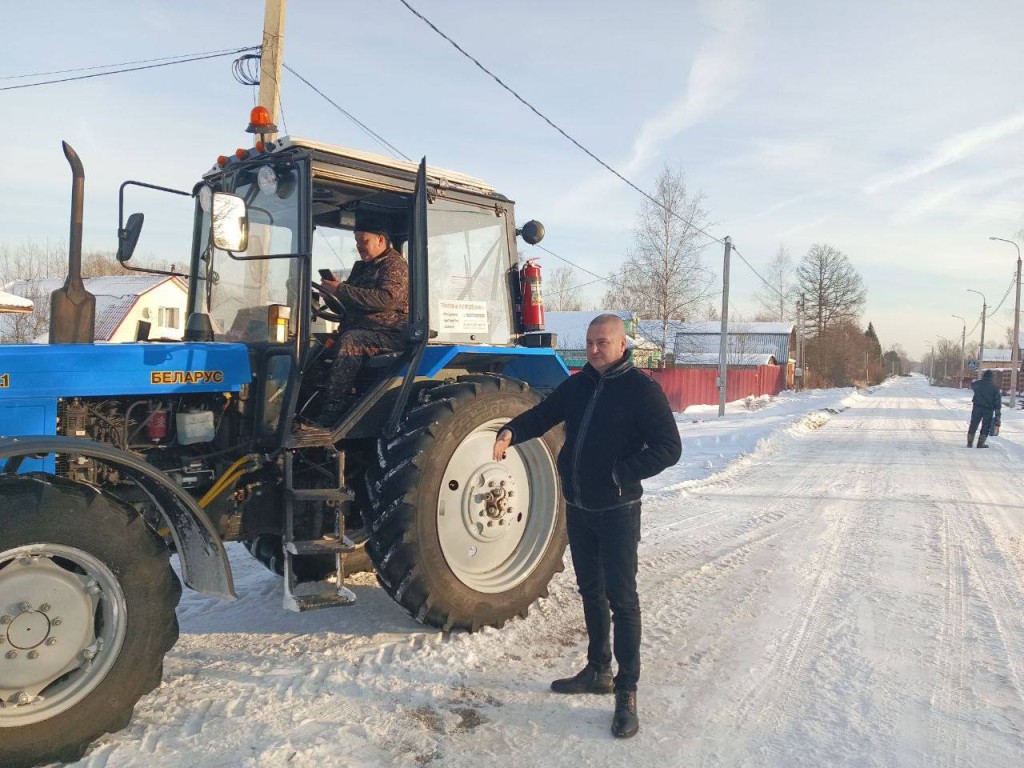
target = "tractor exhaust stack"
x: 72, y: 308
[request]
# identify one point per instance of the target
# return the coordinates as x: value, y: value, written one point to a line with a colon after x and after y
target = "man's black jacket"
x: 619, y: 429
x: 987, y: 395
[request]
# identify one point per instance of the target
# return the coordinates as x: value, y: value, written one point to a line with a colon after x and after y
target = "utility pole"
x: 963, y: 344
x: 1015, y: 345
x: 800, y: 341
x: 981, y: 345
x: 723, y: 348
x: 271, y: 57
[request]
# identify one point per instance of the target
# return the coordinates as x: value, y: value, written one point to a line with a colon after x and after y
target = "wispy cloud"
x: 969, y: 194
x: 714, y: 79
x: 950, y: 151
x: 787, y: 155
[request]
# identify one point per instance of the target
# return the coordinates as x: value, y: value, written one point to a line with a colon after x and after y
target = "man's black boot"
x: 590, y: 680
x: 625, y: 723
x: 981, y: 441
x: 970, y: 439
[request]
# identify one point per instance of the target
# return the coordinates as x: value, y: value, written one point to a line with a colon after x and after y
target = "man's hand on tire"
x: 501, y: 444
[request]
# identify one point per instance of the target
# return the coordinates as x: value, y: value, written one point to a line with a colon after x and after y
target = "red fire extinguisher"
x: 533, y: 302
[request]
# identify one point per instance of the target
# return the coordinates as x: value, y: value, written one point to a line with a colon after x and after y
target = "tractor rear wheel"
x: 458, y: 539
x: 87, y: 599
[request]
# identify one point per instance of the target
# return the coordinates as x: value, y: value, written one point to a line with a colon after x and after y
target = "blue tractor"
x: 115, y: 456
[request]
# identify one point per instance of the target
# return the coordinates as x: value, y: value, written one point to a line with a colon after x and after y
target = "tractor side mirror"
x: 128, y: 237
x: 230, y: 222
x: 532, y: 232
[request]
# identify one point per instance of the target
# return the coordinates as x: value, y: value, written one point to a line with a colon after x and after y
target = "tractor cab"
x: 269, y: 221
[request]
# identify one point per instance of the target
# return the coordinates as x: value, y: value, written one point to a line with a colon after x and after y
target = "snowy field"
x: 819, y: 588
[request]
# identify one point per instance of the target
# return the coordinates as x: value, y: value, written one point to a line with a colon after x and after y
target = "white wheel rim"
x: 63, y: 620
x: 495, y: 520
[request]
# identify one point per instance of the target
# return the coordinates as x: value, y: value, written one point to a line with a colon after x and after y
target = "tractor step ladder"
x: 308, y: 595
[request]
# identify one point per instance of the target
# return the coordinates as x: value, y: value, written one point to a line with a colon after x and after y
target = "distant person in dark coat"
x: 988, y: 402
x: 619, y: 429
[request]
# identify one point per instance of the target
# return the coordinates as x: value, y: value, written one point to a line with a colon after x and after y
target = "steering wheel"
x: 332, y: 309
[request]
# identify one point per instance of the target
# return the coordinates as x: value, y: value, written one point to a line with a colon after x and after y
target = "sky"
x: 892, y: 130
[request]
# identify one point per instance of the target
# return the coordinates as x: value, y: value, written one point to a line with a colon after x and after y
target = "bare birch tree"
x: 775, y: 301
x: 561, y: 291
x: 663, y: 277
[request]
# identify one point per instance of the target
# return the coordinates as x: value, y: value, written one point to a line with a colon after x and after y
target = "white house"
x: 122, y: 301
x: 9, y: 303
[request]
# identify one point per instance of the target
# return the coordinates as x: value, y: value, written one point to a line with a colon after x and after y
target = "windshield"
x: 236, y: 290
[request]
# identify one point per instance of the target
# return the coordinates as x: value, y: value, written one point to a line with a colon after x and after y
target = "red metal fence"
x: 696, y: 386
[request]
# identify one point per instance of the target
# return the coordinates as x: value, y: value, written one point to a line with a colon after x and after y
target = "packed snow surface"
x: 833, y: 579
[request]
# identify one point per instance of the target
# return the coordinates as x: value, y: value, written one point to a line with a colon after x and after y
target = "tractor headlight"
x: 205, y: 197
x: 267, y: 180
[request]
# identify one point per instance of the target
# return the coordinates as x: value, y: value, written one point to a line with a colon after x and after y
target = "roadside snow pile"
x: 713, y: 446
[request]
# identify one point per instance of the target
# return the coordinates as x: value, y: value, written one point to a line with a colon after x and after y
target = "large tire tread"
x: 391, y: 520
x: 48, y: 509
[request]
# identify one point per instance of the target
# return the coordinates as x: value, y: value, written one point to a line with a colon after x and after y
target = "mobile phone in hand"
x: 326, y: 274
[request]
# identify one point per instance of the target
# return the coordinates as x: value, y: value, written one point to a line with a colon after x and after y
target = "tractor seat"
x: 383, y: 360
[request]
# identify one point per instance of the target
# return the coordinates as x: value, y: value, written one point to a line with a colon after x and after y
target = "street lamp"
x: 931, y: 369
x: 963, y: 341
x: 981, y: 346
x: 1015, y: 348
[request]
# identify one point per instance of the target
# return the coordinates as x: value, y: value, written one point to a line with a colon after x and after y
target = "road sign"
x: 972, y: 364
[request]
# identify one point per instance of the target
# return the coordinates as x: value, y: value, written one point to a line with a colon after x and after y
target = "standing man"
x: 376, y: 300
x: 619, y: 430
x: 987, y: 402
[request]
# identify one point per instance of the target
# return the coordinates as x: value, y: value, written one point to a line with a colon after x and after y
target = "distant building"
x: 122, y: 301
x: 571, y: 328
x: 698, y: 345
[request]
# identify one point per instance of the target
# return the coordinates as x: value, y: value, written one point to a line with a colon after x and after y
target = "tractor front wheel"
x: 87, y: 599
x: 458, y: 539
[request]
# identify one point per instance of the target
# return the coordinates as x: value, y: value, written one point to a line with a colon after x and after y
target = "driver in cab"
x: 375, y: 297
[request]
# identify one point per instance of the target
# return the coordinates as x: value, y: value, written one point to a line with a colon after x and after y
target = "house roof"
x: 744, y: 338
x: 115, y: 295
x: 14, y: 304
x: 733, y: 358
x: 998, y: 355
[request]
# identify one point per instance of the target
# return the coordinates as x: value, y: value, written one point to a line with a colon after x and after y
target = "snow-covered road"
x: 851, y: 593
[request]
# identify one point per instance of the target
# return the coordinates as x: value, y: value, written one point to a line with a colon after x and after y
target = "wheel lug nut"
x: 57, y: 622
x: 22, y: 698
x: 501, y: 522
x: 12, y: 654
x: 33, y: 654
x: 51, y: 641
x: 88, y: 654
x: 44, y: 607
x: 5, y: 619
x: 490, y: 523
x: 511, y: 494
x: 25, y: 606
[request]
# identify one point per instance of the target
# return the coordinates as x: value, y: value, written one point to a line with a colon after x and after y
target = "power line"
x: 1005, y: 295
x: 550, y: 122
x: 391, y: 148
x: 771, y: 287
x: 574, y: 264
x: 180, y: 60
x: 118, y: 64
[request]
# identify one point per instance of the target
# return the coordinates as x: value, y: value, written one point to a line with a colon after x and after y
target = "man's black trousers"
x: 983, y: 415
x: 604, y: 554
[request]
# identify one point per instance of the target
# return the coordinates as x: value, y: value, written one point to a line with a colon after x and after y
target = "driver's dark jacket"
x: 376, y: 294
x: 619, y: 429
